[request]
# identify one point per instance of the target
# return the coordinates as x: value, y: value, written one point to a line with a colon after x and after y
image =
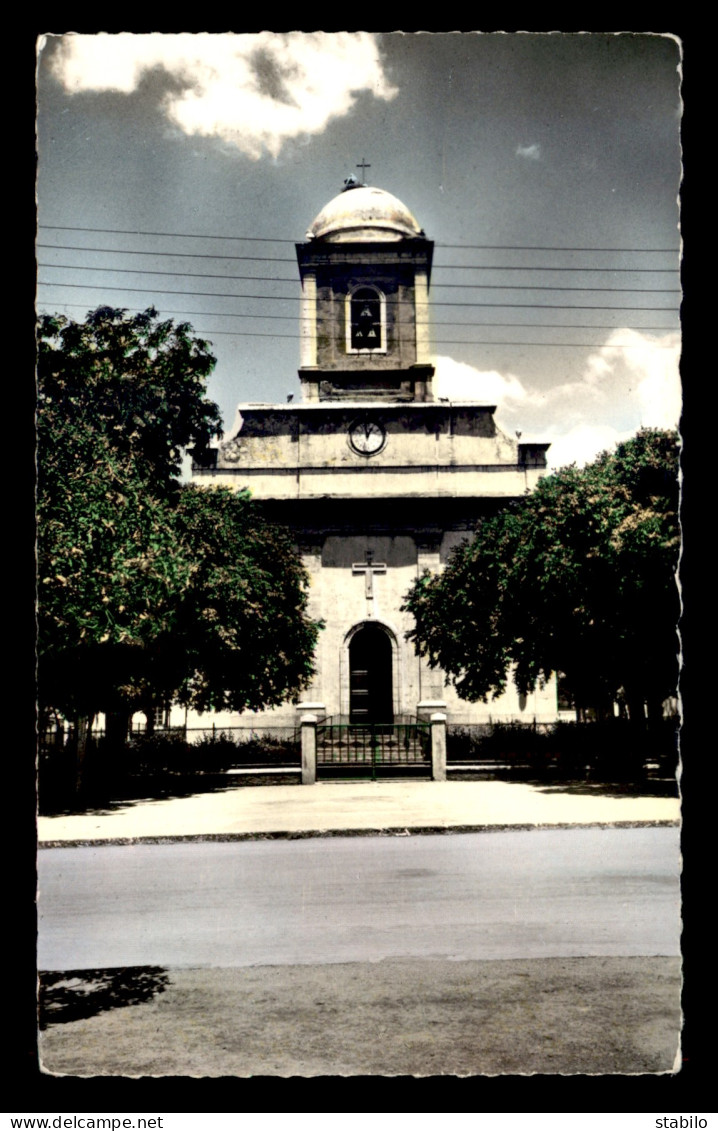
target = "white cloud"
x: 659, y: 392
x: 581, y: 444
x: 532, y: 152
x: 251, y: 91
x: 629, y: 383
x: 633, y: 376
x: 460, y: 381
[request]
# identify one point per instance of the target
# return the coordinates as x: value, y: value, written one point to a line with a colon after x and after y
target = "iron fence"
x: 373, y: 748
x: 610, y: 750
x: 182, y: 748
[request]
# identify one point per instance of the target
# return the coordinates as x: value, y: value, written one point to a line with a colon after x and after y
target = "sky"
x: 178, y: 171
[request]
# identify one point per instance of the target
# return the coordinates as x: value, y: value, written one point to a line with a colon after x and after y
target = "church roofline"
x: 364, y: 406
x: 367, y: 210
x: 320, y: 246
x: 417, y: 250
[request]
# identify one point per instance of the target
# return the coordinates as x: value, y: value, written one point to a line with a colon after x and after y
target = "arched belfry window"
x: 366, y: 320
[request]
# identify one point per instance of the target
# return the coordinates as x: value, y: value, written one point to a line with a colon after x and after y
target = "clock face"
x: 367, y: 437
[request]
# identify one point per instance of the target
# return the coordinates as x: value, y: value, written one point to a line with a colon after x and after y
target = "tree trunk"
x: 117, y: 727
x: 636, y: 709
x: 655, y: 711
x: 83, y: 729
x: 149, y: 713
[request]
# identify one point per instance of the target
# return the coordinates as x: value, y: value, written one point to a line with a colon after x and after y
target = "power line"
x: 280, y: 259
x: 174, y: 235
x: 447, y: 341
x: 428, y: 322
x: 531, y: 287
x: 180, y: 254
x: 153, y: 290
x: 455, y: 342
x: 550, y: 267
x: 265, y: 279
x: 555, y: 247
x: 177, y: 274
x: 209, y: 334
x: 282, y: 298
x: 277, y: 239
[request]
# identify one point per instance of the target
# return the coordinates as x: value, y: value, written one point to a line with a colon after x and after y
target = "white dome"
x: 364, y: 214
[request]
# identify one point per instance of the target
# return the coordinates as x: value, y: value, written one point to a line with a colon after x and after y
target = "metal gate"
x: 373, y: 750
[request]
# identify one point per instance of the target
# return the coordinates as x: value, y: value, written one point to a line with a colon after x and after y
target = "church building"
x: 376, y: 477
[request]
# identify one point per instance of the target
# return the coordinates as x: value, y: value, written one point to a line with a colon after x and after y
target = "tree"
x: 576, y: 578
x: 149, y: 591
x: 243, y: 631
x: 135, y: 380
x: 110, y: 575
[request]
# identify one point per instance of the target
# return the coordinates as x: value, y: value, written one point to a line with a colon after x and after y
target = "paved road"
x: 547, y: 893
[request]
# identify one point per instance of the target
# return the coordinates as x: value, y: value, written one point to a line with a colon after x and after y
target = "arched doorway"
x: 370, y: 676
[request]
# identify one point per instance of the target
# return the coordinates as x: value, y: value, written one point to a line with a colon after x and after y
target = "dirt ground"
x: 415, y: 1017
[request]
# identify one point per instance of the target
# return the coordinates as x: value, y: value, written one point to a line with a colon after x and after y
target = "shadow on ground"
x: 666, y: 787
x: 657, y: 787
x: 72, y: 995
x: 164, y: 787
x: 160, y: 788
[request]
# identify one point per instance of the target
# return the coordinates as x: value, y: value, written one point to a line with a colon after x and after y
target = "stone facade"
x: 377, y: 479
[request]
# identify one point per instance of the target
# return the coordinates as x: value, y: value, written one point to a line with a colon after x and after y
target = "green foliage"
x: 611, y: 750
x: 578, y: 577
x: 135, y: 380
x: 213, y: 754
x: 111, y: 575
x: 162, y: 754
x: 243, y: 629
x: 149, y: 591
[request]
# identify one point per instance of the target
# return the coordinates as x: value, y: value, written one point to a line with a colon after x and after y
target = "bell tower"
x: 377, y: 479
x: 365, y: 270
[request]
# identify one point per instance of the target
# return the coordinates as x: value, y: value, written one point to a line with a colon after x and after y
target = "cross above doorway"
x: 369, y: 568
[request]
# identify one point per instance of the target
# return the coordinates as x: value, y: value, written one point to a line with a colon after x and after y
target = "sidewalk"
x: 355, y: 808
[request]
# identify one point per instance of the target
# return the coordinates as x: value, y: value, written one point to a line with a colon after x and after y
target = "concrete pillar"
x: 426, y: 708
x: 308, y: 322
x: 421, y: 291
x: 438, y: 747
x: 311, y: 708
x: 431, y: 680
x: 309, y: 749
x: 312, y: 562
